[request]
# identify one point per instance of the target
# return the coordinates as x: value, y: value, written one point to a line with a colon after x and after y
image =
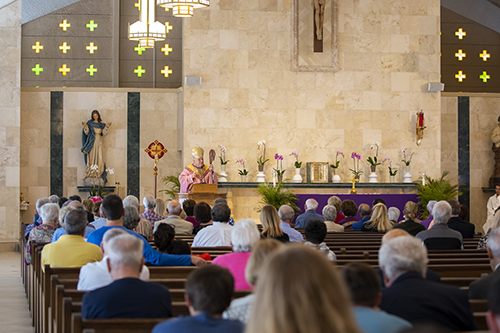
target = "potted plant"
x: 173, y: 186
x: 223, y: 163
x: 276, y: 196
x: 336, y: 178
x: 392, y: 172
x: 279, y: 167
x: 297, y: 178
x: 243, y: 172
x: 406, y: 159
x: 355, y: 170
x: 435, y: 189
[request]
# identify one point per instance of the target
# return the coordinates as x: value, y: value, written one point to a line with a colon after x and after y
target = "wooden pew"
x: 113, y: 325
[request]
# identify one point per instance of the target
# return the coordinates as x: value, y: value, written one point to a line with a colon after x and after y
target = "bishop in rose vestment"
x: 196, y: 173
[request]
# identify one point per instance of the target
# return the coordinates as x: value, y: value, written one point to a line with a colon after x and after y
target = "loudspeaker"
x: 435, y: 86
x: 193, y: 80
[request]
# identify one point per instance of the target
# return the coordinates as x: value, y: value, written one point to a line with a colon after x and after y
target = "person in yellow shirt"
x: 71, y: 250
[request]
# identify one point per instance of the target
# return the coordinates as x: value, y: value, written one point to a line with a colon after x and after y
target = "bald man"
x: 365, y: 212
x: 181, y: 227
x: 310, y: 207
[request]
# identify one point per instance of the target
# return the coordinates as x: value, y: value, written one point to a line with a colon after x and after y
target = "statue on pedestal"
x: 93, y: 131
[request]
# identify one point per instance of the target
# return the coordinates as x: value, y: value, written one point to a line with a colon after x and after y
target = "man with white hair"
x: 89, y: 228
x: 430, y: 206
x: 330, y: 214
x: 44, y: 232
x: 127, y: 296
x: 394, y: 214
x: 408, y: 295
x: 479, y: 289
x: 149, y: 214
x: 309, y: 215
x: 145, y: 227
x: 95, y: 275
x: 440, y: 236
x: 287, y: 214
x: 181, y: 227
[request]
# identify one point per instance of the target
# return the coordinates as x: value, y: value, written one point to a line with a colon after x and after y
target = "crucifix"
x: 156, y: 150
x: 319, y: 18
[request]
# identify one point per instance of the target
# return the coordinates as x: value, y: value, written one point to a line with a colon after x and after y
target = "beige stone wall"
x: 242, y: 49
x: 449, y: 136
x: 10, y: 109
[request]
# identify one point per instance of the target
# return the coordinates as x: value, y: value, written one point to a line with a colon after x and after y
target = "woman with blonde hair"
x: 271, y: 224
x: 411, y: 224
x: 379, y: 221
x: 298, y: 291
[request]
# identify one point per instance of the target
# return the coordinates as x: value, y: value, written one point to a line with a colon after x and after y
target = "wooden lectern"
x: 204, y: 192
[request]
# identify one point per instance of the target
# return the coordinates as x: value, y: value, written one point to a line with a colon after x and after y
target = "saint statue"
x: 93, y: 130
x: 319, y: 17
x: 495, y: 137
x: 197, y: 173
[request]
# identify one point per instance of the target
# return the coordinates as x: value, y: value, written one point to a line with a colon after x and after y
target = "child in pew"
x: 209, y: 291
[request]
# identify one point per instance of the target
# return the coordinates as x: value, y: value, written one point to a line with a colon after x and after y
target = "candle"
x: 421, y: 119
x: 274, y: 178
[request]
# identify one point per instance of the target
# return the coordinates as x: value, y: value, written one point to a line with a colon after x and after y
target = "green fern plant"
x: 435, y: 189
x: 276, y: 196
x: 172, y: 184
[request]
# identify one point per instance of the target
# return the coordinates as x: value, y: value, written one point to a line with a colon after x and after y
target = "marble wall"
x: 388, y: 51
x: 10, y: 67
x: 158, y: 120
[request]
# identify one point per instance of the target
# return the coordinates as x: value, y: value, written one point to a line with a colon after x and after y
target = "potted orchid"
x: 373, y: 160
x: 262, y: 158
x: 336, y: 178
x: 243, y: 172
x: 392, y: 172
x: 355, y: 170
x: 297, y: 178
x: 223, y: 163
x: 406, y: 159
x: 97, y: 192
x: 279, y: 167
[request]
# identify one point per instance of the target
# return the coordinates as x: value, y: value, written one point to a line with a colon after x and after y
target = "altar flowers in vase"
x: 243, y: 172
x: 392, y: 172
x: 223, y: 162
x: 355, y: 170
x: 261, y: 161
x: 335, y: 166
x: 297, y: 178
x: 406, y: 159
x: 279, y: 167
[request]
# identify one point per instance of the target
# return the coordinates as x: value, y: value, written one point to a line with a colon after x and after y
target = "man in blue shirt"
x: 309, y: 215
x: 127, y: 296
x: 209, y: 291
x: 286, y: 214
x: 365, y: 211
x: 363, y: 285
x: 112, y: 210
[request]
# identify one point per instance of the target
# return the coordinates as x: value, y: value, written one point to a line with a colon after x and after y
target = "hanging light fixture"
x: 183, y: 8
x: 147, y: 30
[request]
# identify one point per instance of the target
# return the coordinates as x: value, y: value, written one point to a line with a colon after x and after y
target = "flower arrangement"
x: 392, y: 172
x: 407, y: 156
x: 96, y: 192
x: 373, y: 161
x: 262, y: 159
x: 222, y: 156
x: 337, y: 162
x: 297, y: 163
x: 242, y: 172
x: 355, y: 171
x: 279, y: 164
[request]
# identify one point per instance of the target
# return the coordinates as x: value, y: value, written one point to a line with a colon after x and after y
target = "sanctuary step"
x: 9, y: 245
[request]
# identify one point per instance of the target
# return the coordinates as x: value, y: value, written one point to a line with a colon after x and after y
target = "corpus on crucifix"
x: 319, y: 17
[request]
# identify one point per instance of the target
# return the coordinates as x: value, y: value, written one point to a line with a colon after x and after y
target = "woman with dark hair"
x: 164, y: 236
x: 202, y: 215
x: 188, y: 207
x: 350, y: 210
x: 93, y: 130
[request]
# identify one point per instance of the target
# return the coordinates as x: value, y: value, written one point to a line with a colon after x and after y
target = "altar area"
x: 243, y: 198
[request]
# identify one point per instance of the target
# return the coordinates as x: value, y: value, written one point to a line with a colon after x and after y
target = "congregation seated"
x: 61, y: 201
x: 363, y: 285
x: 99, y: 221
x: 270, y: 220
x: 330, y: 214
x: 43, y: 232
x: 149, y: 214
x: 73, y: 204
x: 54, y: 199
x: 379, y: 221
x: 365, y: 212
x: 286, y: 214
x: 480, y: 289
x: 37, y: 220
x: 181, y: 227
x: 160, y: 207
x: 244, y: 236
x: 241, y: 308
x: 493, y: 315
x: 315, y: 232
x: 71, y: 250
x: 224, y: 201
x: 350, y: 210
x: 95, y: 275
x: 209, y: 291
x: 457, y: 223
x: 127, y: 296
x: 299, y: 290
x: 408, y: 295
x: 310, y: 214
x: 88, y: 206
x: 337, y: 203
x: 112, y: 208
x: 217, y: 234
x: 439, y: 236
x: 393, y: 213
x: 411, y: 224
x: 163, y: 237
x: 203, y: 216
x: 188, y: 207
x: 144, y: 227
x: 75, y: 197
x: 430, y: 206
x: 131, y: 217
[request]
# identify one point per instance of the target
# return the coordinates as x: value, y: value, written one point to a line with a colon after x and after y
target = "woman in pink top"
x: 243, y: 237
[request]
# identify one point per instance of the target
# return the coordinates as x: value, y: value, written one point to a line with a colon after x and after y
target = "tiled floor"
x: 14, y: 313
